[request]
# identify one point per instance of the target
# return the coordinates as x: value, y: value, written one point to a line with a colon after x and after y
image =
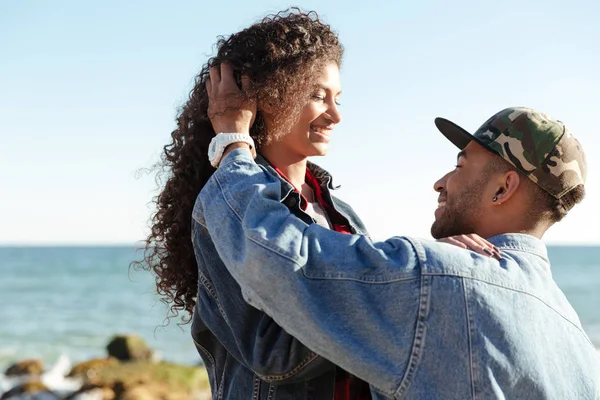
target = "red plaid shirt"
x: 347, y: 387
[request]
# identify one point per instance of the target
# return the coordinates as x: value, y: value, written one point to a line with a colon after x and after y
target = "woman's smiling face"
x: 311, y: 133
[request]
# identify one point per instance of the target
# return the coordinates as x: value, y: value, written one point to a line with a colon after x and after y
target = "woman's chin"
x: 318, y: 150
x: 317, y: 154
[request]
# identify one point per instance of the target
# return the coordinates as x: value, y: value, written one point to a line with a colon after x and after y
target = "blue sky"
x: 89, y: 93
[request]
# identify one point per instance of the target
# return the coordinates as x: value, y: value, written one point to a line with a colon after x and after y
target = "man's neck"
x: 506, y: 225
x: 291, y: 165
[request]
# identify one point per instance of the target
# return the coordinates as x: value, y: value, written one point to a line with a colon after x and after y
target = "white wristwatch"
x: 219, y: 143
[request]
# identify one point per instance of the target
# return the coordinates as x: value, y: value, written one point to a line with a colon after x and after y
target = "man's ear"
x: 508, y: 185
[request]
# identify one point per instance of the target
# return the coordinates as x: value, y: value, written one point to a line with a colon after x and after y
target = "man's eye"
x: 458, y: 166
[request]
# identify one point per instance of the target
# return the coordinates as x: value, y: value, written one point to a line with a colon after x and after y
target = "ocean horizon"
x: 71, y: 300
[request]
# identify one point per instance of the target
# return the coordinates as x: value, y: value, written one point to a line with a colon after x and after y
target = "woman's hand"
x: 229, y: 109
x: 475, y: 243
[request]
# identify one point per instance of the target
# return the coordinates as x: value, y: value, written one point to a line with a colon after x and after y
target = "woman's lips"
x: 322, y: 133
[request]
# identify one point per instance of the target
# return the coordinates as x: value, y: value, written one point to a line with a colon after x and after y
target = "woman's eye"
x: 318, y: 97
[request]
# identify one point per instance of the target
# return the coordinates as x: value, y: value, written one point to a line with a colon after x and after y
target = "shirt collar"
x: 322, y: 176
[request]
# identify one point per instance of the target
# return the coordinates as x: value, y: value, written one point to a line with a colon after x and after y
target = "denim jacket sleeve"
x: 347, y: 298
x: 249, y: 335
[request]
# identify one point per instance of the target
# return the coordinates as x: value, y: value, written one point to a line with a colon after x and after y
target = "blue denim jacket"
x: 416, y: 319
x: 247, y: 355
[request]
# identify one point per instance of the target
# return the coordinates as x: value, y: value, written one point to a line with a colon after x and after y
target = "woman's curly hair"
x: 281, y: 55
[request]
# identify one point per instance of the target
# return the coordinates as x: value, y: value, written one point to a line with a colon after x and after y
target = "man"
x: 415, y: 318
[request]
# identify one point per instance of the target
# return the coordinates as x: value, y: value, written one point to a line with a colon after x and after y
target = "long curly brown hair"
x: 281, y: 55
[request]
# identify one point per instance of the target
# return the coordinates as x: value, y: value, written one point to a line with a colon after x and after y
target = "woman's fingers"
x: 246, y: 82
x: 454, y: 242
x: 214, y: 76
x: 229, y: 110
x: 474, y: 243
x: 227, y: 83
x: 485, y: 244
x: 208, y: 86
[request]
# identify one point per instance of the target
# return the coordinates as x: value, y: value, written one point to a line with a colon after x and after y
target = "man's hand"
x: 475, y: 243
x: 229, y: 110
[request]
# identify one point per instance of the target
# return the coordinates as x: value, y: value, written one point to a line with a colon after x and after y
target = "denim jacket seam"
x: 256, y: 388
x: 523, y: 249
x: 519, y: 290
x: 213, y: 294
x: 469, y: 337
x: 383, y: 393
x: 207, y: 353
x: 207, y: 285
x: 419, y: 339
x: 271, y: 392
x: 276, y: 251
x: 310, y: 358
x: 421, y: 325
x: 226, y: 197
x: 347, y: 277
x: 199, y: 222
x: 221, y: 384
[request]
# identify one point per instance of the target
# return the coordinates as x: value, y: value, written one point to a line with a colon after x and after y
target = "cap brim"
x: 454, y: 133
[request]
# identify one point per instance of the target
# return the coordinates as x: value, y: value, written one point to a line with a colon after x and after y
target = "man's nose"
x: 440, y: 185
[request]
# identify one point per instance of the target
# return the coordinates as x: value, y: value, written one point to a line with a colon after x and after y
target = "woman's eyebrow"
x: 326, y: 89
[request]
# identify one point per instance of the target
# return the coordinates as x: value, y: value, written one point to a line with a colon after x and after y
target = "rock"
x: 93, y: 391
x: 32, y: 390
x: 26, y: 367
x: 129, y: 348
x: 152, y: 392
x: 141, y: 393
x: 90, y: 369
x: 139, y: 380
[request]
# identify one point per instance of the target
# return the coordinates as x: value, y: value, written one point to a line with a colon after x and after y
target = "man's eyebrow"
x: 460, y: 154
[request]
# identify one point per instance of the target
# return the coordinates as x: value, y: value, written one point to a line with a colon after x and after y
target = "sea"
x: 68, y: 302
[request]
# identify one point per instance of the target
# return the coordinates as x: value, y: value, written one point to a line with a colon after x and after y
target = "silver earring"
x: 495, y: 199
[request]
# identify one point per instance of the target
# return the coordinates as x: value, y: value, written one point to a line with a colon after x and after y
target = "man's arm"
x: 355, y: 302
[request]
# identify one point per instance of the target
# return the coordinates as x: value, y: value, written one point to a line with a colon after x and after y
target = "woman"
x: 293, y: 61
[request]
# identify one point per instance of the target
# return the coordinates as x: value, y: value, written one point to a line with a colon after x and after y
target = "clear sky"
x: 89, y: 92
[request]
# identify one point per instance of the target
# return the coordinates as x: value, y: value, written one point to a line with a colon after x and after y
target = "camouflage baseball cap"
x: 537, y: 145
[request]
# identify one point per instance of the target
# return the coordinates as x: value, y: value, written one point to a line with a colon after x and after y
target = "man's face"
x: 461, y: 199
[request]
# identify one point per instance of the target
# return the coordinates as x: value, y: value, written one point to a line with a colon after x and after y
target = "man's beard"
x: 460, y: 213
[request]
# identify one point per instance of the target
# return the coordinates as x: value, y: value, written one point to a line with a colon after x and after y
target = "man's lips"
x: 440, y: 206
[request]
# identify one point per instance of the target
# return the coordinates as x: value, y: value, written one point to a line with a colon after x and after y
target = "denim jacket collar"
x: 522, y: 242
x: 323, y: 177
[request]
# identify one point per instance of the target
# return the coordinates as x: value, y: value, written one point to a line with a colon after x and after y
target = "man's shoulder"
x: 443, y: 258
x: 520, y: 255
